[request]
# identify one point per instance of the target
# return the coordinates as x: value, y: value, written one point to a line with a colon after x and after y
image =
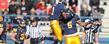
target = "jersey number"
x: 22, y: 36
x: 69, y: 24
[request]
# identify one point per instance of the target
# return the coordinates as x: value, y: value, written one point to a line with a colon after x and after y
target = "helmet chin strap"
x: 22, y: 26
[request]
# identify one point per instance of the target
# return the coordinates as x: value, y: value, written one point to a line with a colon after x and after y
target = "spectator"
x: 94, y: 3
x: 18, y: 13
x: 5, y: 12
x: 6, y: 17
x: 73, y: 2
x: 73, y: 5
x: 87, y: 1
x: 12, y: 7
x: 41, y: 8
x: 30, y: 3
x: 49, y: 7
x: 24, y: 7
x: 34, y: 1
x: 85, y: 11
x: 32, y: 14
x: 32, y: 11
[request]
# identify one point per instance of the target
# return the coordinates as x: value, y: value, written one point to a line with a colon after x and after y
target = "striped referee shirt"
x: 33, y: 32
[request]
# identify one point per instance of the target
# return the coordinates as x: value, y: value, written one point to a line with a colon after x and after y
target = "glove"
x: 27, y: 37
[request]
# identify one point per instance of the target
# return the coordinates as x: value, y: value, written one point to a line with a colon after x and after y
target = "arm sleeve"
x: 27, y: 30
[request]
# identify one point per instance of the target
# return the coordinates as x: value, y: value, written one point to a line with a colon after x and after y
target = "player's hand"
x: 97, y: 23
x: 27, y: 37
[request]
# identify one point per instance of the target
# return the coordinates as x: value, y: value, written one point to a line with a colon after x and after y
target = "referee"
x: 33, y: 31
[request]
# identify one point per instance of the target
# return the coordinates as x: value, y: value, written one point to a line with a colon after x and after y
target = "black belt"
x: 34, y: 39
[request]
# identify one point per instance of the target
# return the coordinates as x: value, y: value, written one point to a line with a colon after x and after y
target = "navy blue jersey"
x: 21, y: 34
x: 57, y: 11
x: 70, y: 26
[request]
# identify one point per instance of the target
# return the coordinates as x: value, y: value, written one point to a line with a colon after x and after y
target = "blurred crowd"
x: 26, y: 9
